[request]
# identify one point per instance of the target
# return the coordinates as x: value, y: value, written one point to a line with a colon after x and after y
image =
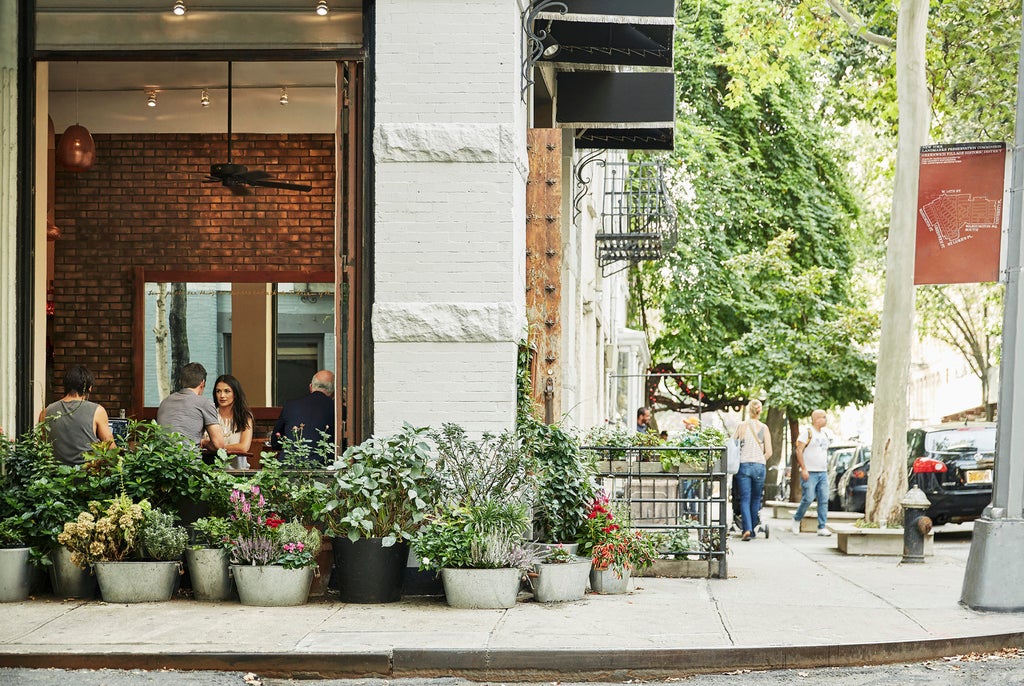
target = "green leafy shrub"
x: 565, y: 486
x: 489, y: 535
x: 212, y: 532
x: 160, y: 538
x: 383, y: 488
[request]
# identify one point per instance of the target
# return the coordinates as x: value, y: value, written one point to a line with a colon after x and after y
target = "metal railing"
x: 689, y: 507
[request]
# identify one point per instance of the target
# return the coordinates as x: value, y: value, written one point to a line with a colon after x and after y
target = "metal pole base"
x: 995, y: 566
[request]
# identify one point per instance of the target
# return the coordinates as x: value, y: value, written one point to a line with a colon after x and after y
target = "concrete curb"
x: 527, y: 665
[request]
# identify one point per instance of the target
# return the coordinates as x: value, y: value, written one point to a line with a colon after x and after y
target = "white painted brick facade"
x: 449, y: 213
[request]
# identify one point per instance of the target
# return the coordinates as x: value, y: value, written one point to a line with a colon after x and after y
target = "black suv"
x: 951, y: 463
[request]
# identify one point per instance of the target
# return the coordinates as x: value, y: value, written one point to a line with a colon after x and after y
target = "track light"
x: 179, y: 8
x: 322, y: 9
x: 284, y: 96
x: 151, y: 98
x: 204, y: 98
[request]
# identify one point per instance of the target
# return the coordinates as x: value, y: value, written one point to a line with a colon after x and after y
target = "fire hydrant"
x: 916, y: 526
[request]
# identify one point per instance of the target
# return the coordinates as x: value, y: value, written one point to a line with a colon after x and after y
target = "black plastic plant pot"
x: 367, y: 572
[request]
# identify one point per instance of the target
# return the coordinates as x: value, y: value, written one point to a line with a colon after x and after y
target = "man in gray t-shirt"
x: 188, y: 412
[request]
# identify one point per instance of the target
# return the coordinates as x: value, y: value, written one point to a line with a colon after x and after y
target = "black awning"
x: 610, y: 32
x: 615, y: 99
x: 636, y: 45
x: 621, y: 110
x: 648, y: 9
x: 626, y: 139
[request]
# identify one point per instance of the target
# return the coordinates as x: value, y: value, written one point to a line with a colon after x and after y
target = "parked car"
x: 852, y: 486
x: 840, y: 458
x: 951, y: 463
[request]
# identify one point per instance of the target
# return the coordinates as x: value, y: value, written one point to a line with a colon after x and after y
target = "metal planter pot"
x: 137, y: 582
x: 15, y: 575
x: 208, y: 568
x: 367, y: 572
x: 272, y: 585
x: 607, y: 582
x: 481, y: 588
x: 561, y: 582
x: 68, y: 579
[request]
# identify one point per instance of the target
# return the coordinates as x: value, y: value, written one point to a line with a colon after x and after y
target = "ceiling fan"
x: 236, y: 177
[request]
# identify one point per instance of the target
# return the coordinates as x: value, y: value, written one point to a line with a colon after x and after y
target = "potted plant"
x: 15, y: 577
x: 382, y: 491
x: 295, y: 491
x: 475, y: 535
x: 695, y: 450
x: 621, y: 450
x: 615, y: 551
x: 134, y: 549
x: 565, y: 485
x: 560, y: 576
x: 272, y: 561
x: 207, y: 559
x: 680, y: 555
x: 159, y: 466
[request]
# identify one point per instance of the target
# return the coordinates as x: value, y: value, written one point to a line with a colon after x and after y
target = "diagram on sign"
x: 955, y: 217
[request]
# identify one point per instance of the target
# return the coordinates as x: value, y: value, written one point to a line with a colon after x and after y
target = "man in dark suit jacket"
x: 304, y: 418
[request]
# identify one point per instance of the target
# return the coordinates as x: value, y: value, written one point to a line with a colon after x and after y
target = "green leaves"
x: 757, y: 293
x: 383, y: 487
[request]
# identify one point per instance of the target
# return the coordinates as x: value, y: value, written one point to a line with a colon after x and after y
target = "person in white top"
x: 812, y: 458
x: 755, y: 448
x: 236, y: 420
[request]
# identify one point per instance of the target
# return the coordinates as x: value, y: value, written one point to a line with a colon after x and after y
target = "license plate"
x: 979, y: 476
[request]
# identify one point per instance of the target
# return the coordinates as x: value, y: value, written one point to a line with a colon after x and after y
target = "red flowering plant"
x: 625, y: 551
x: 599, y: 525
x: 262, y: 537
x: 610, y: 542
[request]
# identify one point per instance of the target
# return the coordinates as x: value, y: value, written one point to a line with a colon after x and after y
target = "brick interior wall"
x: 144, y: 203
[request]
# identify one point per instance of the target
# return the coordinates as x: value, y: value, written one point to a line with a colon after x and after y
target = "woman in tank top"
x: 74, y: 423
x: 755, y: 449
x: 235, y: 419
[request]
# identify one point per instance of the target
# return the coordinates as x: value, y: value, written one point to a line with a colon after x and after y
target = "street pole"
x: 995, y: 567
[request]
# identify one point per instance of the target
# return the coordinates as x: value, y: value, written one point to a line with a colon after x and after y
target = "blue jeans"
x: 814, y: 487
x: 750, y: 482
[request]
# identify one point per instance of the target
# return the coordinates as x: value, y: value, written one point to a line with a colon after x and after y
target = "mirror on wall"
x: 270, y: 330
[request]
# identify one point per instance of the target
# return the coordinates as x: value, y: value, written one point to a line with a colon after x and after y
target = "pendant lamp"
x: 76, y: 151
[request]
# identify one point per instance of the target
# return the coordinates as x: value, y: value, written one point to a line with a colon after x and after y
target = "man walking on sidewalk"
x: 812, y: 459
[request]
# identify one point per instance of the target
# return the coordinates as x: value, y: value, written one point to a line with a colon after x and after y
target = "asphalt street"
x: 1005, y: 668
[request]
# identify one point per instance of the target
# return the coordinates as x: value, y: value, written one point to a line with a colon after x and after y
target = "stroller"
x: 736, y: 527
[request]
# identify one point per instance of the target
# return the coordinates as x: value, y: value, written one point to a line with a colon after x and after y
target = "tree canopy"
x: 757, y: 292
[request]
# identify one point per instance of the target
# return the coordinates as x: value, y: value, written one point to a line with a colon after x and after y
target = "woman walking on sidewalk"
x: 755, y: 449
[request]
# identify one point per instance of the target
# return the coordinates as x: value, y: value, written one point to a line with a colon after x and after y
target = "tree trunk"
x: 775, y: 419
x: 887, y: 482
x: 160, y: 332
x: 795, y: 489
x: 178, y: 325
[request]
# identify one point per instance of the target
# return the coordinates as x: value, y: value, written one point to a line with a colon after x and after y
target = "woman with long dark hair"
x: 235, y: 419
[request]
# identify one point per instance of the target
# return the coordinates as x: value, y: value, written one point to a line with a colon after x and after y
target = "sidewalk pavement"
x: 791, y: 601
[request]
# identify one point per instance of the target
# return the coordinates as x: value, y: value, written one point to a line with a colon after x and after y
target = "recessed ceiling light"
x: 322, y: 9
x: 204, y: 98
x: 284, y: 96
x: 179, y: 8
x: 151, y: 98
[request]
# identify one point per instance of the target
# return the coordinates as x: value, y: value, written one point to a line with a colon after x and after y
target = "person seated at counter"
x: 74, y: 423
x: 236, y: 420
x: 303, y: 419
x: 188, y: 412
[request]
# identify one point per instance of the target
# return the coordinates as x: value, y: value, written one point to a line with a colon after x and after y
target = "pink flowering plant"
x: 260, y: 536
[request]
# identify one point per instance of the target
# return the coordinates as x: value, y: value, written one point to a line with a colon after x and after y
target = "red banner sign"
x: 960, y: 223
